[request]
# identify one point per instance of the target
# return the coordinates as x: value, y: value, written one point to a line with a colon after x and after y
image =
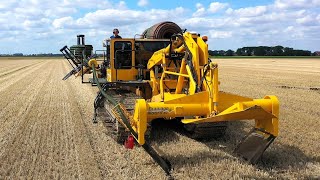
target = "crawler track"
x: 114, y: 128
x: 206, y: 130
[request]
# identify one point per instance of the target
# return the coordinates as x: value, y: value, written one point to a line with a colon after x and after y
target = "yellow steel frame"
x: 178, y: 92
x: 207, y: 105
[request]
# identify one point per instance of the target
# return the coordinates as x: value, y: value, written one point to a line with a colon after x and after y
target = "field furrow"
x: 8, y: 65
x: 46, y: 129
x: 8, y: 79
x: 15, y: 69
x: 16, y: 102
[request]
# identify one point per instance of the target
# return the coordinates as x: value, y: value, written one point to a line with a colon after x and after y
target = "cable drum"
x: 162, y: 30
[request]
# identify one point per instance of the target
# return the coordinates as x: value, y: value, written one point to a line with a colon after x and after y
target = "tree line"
x: 263, y: 51
x: 31, y: 55
x: 244, y: 51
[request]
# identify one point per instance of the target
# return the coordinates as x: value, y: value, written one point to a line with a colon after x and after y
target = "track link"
x: 206, y: 130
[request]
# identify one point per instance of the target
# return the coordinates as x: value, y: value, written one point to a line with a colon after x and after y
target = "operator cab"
x: 126, y: 59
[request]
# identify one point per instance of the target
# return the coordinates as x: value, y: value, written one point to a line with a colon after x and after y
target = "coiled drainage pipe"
x: 162, y: 30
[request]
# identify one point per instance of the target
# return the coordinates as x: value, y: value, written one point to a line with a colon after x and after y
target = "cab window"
x: 123, y: 54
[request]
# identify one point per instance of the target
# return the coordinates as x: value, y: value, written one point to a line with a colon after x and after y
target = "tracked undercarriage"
x: 119, y: 133
x: 107, y: 114
x: 206, y: 130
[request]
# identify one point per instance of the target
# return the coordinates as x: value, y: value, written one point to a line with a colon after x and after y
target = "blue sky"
x: 44, y: 26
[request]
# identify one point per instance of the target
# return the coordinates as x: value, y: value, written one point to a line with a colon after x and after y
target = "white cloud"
x: 117, y: 17
x: 294, y: 32
x: 60, y: 12
x: 307, y: 20
x: 204, y: 23
x: 142, y: 3
x: 280, y: 22
x: 36, y: 24
x: 85, y: 3
x: 199, y: 5
x: 289, y: 29
x: 284, y: 4
x: 266, y: 25
x: 247, y: 12
x: 61, y: 22
x: 200, y: 10
x: 220, y: 34
x: 122, y: 5
x: 8, y: 4
x: 217, y: 6
x: 214, y: 7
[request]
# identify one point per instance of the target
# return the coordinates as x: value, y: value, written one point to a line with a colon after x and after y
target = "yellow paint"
x: 93, y: 61
x: 176, y: 93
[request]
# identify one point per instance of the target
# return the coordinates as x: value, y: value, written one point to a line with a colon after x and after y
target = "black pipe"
x: 78, y: 40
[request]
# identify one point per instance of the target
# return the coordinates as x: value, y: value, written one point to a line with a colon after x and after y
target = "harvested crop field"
x: 46, y: 130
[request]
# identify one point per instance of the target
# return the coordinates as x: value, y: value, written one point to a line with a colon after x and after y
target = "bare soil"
x: 46, y: 130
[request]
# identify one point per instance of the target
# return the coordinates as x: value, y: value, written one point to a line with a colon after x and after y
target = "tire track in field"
x: 83, y: 125
x: 59, y: 160
x: 21, y: 87
x: 14, y: 151
x: 96, y: 147
x: 17, y: 69
x: 88, y: 136
x: 7, y: 65
x: 75, y: 157
x: 114, y: 159
x: 49, y: 141
x: 12, y: 78
x: 41, y: 149
x: 109, y: 155
x: 15, y: 104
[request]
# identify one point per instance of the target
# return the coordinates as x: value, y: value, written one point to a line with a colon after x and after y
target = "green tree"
x: 277, y: 50
x: 239, y: 52
x: 229, y: 52
x: 260, y: 51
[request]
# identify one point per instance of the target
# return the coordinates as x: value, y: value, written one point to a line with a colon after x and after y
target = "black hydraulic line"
x: 204, y: 75
x: 155, y: 156
x: 82, y: 72
x: 165, y: 165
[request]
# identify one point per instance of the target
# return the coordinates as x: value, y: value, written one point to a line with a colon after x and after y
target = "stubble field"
x: 46, y: 130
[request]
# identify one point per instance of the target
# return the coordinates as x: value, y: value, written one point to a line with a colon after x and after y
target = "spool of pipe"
x: 162, y: 30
